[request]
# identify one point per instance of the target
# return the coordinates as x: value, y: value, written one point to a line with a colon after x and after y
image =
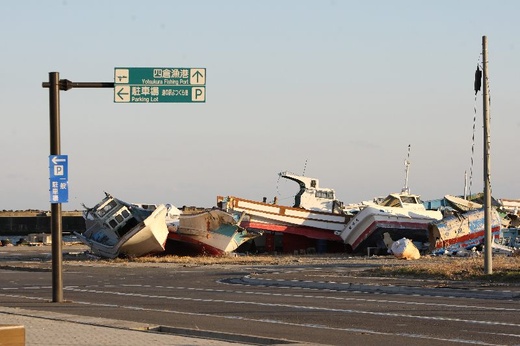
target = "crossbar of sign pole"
x: 159, y: 85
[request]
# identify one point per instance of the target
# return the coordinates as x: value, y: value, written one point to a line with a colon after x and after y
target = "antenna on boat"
x: 406, y: 189
x: 304, y: 167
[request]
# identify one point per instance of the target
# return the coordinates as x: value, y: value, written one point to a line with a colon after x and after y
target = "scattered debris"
x: 406, y: 249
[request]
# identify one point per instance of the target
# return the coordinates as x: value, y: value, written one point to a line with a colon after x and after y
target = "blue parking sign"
x: 59, y: 178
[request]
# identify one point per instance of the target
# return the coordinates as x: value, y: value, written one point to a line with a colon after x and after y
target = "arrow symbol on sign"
x: 197, y: 74
x: 119, y: 93
x: 55, y: 160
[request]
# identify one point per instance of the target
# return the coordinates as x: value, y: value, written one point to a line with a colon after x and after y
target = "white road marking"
x: 306, y: 325
x: 297, y: 307
x: 240, y: 292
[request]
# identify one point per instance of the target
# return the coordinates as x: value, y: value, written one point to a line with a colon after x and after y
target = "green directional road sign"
x: 158, y: 84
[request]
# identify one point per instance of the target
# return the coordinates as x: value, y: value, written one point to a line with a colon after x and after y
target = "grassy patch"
x: 504, y: 269
x: 212, y: 260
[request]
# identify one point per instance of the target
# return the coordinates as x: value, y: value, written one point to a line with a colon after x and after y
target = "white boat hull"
x: 147, y: 237
x: 213, y: 232
x: 367, y: 227
x: 224, y: 240
x: 270, y: 214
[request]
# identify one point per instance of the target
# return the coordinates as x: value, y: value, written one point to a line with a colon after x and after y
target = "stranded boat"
x: 316, y: 214
x: 462, y: 230
x: 209, y: 232
x: 401, y: 215
x: 116, y: 228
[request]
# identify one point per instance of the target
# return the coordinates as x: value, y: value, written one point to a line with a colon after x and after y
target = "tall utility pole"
x: 488, y: 266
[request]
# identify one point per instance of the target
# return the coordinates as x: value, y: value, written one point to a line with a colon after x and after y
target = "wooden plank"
x: 12, y: 335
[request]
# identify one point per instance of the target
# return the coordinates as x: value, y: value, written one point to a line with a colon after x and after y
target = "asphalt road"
x: 317, y: 304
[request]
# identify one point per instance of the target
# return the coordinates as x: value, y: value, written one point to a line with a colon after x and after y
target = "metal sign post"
x: 134, y: 85
x: 58, y: 174
x: 56, y: 225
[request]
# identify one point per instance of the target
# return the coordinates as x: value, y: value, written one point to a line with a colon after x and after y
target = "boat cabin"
x: 311, y: 196
x: 407, y: 201
x: 116, y: 216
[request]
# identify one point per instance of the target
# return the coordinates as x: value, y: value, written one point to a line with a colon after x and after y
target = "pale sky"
x: 336, y: 90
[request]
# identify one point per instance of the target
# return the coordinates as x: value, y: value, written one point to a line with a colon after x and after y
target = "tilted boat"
x: 315, y: 214
x: 116, y: 228
x: 461, y: 204
x: 401, y: 215
x: 462, y: 230
x: 511, y: 209
x: 210, y: 232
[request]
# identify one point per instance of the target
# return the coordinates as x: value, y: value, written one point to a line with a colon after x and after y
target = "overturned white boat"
x: 462, y: 204
x: 401, y: 215
x: 209, y: 232
x: 116, y: 228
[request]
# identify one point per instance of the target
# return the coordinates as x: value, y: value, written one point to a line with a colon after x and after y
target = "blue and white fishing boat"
x: 462, y: 230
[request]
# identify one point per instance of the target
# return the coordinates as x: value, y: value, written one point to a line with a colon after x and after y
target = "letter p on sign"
x: 198, y: 94
x: 58, y: 170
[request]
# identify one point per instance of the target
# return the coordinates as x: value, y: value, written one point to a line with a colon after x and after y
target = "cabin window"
x: 119, y: 218
x: 324, y: 194
x: 112, y: 223
x: 125, y: 213
x: 391, y: 201
x: 408, y: 199
x: 109, y: 206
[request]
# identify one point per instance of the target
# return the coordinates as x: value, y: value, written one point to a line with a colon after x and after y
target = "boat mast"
x: 406, y: 189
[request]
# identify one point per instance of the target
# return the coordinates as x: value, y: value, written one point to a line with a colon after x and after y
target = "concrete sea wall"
x: 26, y: 222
